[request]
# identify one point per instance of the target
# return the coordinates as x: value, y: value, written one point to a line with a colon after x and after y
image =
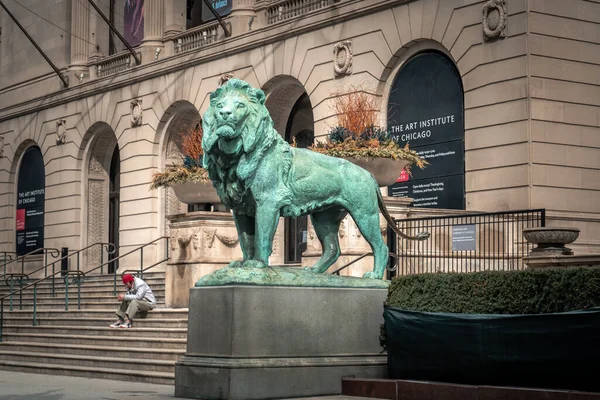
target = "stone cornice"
x: 350, y: 9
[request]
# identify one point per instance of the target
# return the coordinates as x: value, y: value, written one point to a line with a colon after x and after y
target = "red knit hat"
x: 128, y: 278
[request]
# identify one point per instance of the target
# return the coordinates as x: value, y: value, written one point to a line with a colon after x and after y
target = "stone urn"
x: 385, y: 170
x: 196, y: 192
x: 550, y: 240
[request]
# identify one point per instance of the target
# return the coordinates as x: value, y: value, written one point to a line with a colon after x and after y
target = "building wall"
x: 564, y: 70
x: 511, y: 107
x: 20, y: 60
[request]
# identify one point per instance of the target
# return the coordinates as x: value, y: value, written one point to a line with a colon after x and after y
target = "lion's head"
x: 234, y: 118
x: 237, y: 128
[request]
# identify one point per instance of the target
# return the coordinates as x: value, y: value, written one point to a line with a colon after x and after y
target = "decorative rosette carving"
x: 342, y: 58
x: 495, y: 18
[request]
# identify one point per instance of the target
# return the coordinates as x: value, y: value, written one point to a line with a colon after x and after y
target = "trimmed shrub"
x: 542, y: 291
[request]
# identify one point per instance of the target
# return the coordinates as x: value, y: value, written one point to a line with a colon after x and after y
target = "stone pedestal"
x: 258, y: 342
x: 200, y: 243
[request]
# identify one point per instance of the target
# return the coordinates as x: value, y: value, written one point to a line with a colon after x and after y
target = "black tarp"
x: 560, y: 351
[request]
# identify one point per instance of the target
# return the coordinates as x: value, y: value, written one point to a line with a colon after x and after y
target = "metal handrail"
x: 54, y: 252
x: 6, y: 253
x: 22, y: 276
x: 141, y: 249
x: 141, y: 271
x: 78, y: 278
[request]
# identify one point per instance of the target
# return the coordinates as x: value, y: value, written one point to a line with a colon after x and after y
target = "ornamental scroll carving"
x: 136, y: 112
x: 495, y: 18
x: 342, y: 58
x: 61, y: 131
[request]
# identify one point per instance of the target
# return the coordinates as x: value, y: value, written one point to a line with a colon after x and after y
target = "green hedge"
x: 495, y: 292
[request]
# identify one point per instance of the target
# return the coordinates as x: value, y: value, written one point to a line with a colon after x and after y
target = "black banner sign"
x: 31, y: 194
x: 426, y: 110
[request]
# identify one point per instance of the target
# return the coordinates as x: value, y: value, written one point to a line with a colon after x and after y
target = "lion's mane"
x: 232, y: 174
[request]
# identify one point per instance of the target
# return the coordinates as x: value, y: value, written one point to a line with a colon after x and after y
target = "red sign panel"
x: 21, y: 219
x: 403, y: 176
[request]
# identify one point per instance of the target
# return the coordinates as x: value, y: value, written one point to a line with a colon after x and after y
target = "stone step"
x: 162, y: 378
x: 72, y: 305
x: 106, y: 312
x: 96, y: 321
x: 104, y: 331
x: 87, y: 290
x: 140, y: 341
x: 107, y: 281
x: 120, y: 362
x: 94, y: 351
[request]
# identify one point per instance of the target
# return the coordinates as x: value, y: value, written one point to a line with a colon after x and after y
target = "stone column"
x: 174, y: 16
x: 154, y: 29
x: 80, y: 28
x: 243, y: 16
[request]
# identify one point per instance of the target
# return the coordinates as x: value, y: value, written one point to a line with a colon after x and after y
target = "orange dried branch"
x: 191, y: 142
x: 356, y: 109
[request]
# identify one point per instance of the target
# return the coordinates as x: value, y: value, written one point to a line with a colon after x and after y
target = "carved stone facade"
x: 97, y: 226
x: 530, y: 144
x: 495, y: 19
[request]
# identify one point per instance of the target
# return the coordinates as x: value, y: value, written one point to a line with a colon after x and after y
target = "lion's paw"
x: 235, y: 264
x: 254, y: 264
x: 372, y: 275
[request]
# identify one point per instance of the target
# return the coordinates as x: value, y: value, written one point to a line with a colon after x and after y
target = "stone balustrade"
x: 197, y: 37
x: 288, y: 9
x: 114, y: 64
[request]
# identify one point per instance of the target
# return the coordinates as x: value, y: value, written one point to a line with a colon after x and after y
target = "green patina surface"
x: 261, y: 178
x: 285, y: 276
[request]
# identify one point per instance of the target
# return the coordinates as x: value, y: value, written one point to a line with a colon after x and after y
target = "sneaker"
x: 125, y: 325
x: 117, y: 324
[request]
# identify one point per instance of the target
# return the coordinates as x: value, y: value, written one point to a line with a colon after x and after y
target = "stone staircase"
x: 80, y: 343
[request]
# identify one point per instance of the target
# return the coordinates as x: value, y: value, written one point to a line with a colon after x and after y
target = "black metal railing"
x: 77, y: 277
x: 467, y: 243
x: 141, y: 269
x: 54, y: 253
x: 12, y: 279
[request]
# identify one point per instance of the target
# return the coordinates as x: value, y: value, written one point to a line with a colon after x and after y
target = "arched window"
x: 31, y: 193
x: 426, y: 110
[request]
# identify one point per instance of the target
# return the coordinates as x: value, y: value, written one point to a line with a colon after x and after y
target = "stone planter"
x: 385, y: 170
x: 550, y: 240
x: 196, y: 192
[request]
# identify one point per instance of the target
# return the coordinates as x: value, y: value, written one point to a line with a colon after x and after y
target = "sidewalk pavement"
x: 25, y: 386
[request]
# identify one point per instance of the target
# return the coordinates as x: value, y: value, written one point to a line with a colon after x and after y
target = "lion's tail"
x: 392, y: 224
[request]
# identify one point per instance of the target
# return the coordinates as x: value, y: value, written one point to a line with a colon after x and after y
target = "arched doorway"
x: 102, y: 188
x: 31, y: 191
x: 292, y: 113
x: 180, y: 118
x: 426, y: 111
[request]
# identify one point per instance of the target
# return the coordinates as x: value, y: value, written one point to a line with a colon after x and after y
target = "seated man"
x: 138, y: 297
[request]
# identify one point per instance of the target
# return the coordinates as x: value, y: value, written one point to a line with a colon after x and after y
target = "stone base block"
x: 257, y: 342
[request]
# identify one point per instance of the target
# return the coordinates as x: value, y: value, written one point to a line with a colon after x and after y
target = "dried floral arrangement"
x: 356, y: 133
x: 190, y: 170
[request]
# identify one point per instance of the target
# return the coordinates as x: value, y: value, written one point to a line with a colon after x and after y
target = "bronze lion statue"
x: 261, y: 177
